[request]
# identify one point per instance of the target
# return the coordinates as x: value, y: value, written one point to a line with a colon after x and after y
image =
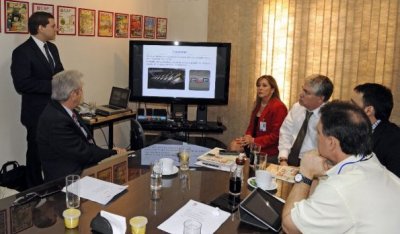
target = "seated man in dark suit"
x: 65, y: 144
x: 377, y: 102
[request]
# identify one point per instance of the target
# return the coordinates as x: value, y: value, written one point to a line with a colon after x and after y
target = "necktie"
x: 49, y: 58
x: 293, y: 158
x: 88, y: 136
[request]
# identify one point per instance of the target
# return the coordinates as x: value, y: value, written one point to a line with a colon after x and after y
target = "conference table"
x: 199, y: 184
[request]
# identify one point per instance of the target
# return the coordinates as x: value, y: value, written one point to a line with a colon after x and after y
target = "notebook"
x: 118, y: 102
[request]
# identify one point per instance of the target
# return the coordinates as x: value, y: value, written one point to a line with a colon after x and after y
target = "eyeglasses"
x: 34, y: 195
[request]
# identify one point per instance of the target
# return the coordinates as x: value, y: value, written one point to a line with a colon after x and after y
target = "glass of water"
x: 156, y: 175
x: 72, y: 191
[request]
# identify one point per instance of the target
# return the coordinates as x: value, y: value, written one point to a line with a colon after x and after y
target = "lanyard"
x: 363, y: 158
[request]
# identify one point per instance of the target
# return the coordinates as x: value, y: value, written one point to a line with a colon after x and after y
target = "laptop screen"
x: 119, y: 97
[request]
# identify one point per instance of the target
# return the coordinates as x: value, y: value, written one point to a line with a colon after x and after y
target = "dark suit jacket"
x: 386, y: 139
x: 32, y: 75
x: 63, y: 148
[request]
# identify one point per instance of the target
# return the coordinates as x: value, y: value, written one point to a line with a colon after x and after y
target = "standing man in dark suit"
x: 65, y: 144
x: 33, y: 65
x: 377, y: 102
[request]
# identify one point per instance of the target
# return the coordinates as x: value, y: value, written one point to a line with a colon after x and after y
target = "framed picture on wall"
x: 161, y: 32
x: 66, y: 18
x: 149, y: 27
x: 105, y: 24
x: 136, y: 29
x: 43, y: 7
x: 16, y: 14
x: 121, y: 25
x: 86, y: 22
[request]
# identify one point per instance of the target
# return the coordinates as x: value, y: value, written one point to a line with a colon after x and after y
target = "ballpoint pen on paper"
x: 210, y: 164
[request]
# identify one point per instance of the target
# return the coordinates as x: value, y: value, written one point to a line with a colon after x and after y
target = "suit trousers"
x: 33, y: 164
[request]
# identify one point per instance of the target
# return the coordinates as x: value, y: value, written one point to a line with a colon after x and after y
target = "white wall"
x: 104, y: 61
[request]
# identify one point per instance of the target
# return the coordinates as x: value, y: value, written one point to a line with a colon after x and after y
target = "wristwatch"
x: 300, y: 178
x: 282, y: 160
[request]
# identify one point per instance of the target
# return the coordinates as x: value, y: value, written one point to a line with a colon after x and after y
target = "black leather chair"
x: 138, y: 140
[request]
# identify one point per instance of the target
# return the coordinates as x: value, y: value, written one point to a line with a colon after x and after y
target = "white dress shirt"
x: 76, y: 121
x: 291, y: 127
x: 355, y: 197
x: 40, y: 44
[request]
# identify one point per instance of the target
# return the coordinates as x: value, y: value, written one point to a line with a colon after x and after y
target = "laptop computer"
x: 118, y: 102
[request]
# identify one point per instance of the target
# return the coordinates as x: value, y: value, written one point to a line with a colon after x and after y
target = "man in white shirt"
x: 317, y: 90
x: 354, y: 193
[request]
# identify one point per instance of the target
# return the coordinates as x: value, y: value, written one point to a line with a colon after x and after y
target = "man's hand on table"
x: 119, y: 150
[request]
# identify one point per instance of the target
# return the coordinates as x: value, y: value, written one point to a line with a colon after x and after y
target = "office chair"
x: 137, y: 135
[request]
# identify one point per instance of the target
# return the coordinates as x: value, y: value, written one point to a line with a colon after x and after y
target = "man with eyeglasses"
x: 377, y: 102
x: 342, y: 187
x: 65, y: 144
x: 298, y: 131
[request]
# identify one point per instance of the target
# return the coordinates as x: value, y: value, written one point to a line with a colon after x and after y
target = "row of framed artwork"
x: 109, y: 24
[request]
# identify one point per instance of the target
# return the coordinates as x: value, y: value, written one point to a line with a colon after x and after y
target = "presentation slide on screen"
x: 179, y: 71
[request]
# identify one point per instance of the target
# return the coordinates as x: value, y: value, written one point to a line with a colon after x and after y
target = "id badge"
x: 263, y: 126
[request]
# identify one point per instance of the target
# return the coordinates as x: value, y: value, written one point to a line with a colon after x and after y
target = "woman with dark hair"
x: 265, y: 121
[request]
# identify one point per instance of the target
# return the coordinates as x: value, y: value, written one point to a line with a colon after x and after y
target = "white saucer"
x: 252, y: 183
x: 175, y: 170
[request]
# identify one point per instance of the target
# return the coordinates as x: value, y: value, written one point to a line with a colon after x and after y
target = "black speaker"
x: 201, y: 117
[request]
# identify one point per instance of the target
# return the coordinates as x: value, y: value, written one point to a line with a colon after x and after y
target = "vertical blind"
x: 350, y: 41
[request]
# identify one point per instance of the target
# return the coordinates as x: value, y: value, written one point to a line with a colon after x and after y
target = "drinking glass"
x: 184, y: 155
x: 156, y: 175
x: 255, y: 150
x: 235, y: 181
x: 72, y: 191
x: 92, y: 108
x: 261, y: 163
x: 191, y: 226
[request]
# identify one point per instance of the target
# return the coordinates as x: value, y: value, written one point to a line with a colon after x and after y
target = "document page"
x: 211, y: 218
x: 213, y: 160
x: 157, y: 151
x: 98, y: 190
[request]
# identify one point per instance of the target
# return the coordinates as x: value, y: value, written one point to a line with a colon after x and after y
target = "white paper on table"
x: 215, y: 165
x: 118, y: 223
x: 157, y: 151
x: 98, y: 190
x: 211, y: 218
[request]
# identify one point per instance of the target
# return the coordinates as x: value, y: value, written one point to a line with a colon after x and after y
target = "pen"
x: 210, y: 164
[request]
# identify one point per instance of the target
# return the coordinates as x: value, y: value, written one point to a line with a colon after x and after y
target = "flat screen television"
x: 179, y: 72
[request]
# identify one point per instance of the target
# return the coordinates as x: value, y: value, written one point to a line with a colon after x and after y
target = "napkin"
x: 118, y: 223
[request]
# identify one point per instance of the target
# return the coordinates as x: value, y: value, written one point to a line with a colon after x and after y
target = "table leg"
x: 110, y: 135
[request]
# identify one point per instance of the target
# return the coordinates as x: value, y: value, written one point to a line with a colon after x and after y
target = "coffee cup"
x: 168, y: 165
x: 263, y: 179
